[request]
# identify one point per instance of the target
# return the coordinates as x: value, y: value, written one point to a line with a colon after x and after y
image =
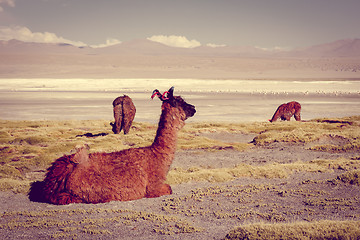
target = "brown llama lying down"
x: 124, y: 113
x: 122, y: 176
x: 286, y: 111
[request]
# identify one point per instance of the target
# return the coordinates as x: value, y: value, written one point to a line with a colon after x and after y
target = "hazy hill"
x: 19, y: 47
x: 341, y: 48
x: 143, y: 58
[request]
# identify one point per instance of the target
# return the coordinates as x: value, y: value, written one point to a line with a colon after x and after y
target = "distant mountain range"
x: 143, y: 58
x: 340, y: 48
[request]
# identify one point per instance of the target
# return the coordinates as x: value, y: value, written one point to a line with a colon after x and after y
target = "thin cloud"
x: 109, y: 42
x: 215, y: 45
x: 26, y: 35
x: 274, y: 49
x: 175, y: 41
x: 10, y: 3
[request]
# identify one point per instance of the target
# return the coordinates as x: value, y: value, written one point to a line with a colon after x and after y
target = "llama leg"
x: 287, y: 115
x: 126, y: 124
x: 161, y: 190
x: 118, y: 119
x: 65, y: 198
x: 297, y: 116
x: 126, y: 128
x: 129, y: 111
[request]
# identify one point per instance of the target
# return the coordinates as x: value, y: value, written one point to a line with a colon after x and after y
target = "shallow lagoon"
x: 215, y: 100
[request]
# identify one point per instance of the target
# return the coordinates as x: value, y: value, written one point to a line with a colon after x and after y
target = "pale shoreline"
x: 189, y: 85
x: 215, y: 100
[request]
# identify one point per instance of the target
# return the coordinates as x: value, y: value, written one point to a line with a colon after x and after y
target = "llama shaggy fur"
x: 125, y: 175
x: 286, y: 111
x: 124, y: 113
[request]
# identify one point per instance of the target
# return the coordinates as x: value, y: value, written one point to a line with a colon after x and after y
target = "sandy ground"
x: 196, y: 210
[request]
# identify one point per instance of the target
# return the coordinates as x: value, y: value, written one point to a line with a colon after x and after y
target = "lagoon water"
x: 215, y: 100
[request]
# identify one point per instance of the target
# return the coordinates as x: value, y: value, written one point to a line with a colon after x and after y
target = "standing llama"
x: 120, y: 176
x: 286, y: 111
x: 124, y: 113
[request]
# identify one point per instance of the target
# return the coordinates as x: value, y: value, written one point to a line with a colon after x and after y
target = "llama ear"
x: 155, y: 93
x: 171, y: 92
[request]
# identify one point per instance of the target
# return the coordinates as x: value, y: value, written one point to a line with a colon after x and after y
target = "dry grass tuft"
x: 300, y: 230
x: 91, y: 225
x: 197, y: 174
x: 16, y: 186
x: 352, y: 177
x: 312, y: 131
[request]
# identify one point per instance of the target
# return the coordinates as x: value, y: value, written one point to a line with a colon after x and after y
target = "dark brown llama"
x: 122, y: 176
x: 286, y: 111
x: 124, y: 113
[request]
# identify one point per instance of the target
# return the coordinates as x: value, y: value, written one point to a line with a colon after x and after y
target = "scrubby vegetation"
x: 85, y: 222
x: 352, y: 177
x: 300, y: 230
x: 28, y: 147
x: 179, y: 175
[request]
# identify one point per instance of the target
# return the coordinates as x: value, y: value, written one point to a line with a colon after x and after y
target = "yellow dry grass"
x: 352, y: 177
x: 58, y: 222
x: 196, y: 174
x: 299, y: 230
x: 28, y: 146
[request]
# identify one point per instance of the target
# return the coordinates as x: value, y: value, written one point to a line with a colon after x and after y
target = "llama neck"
x: 166, y: 136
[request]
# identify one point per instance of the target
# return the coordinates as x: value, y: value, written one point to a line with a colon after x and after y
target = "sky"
x: 267, y: 24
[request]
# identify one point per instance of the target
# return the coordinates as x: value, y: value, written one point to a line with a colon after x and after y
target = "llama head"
x: 176, y: 102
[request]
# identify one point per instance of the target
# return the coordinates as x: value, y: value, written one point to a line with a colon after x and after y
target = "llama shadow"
x: 92, y: 135
x: 36, y: 193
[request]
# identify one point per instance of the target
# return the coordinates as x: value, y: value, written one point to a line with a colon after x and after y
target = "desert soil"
x: 197, y: 210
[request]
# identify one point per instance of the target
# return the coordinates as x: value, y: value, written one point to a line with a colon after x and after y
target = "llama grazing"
x: 124, y: 113
x: 125, y: 175
x: 286, y: 111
